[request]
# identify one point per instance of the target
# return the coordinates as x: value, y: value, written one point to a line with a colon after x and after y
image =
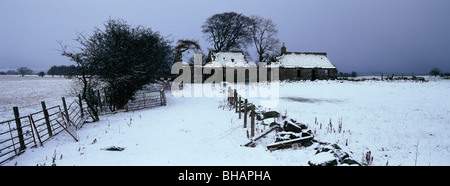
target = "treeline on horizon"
x: 62, y: 70
x: 72, y: 70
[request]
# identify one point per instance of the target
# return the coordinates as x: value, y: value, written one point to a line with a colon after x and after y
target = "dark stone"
x: 271, y: 114
x: 291, y: 127
x: 307, y: 143
x: 350, y: 162
x: 274, y: 124
x: 323, y: 149
x: 306, y: 134
x: 303, y: 126
x: 325, y: 162
x: 113, y: 148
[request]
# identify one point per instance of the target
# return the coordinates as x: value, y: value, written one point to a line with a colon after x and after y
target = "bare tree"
x: 264, y: 36
x: 184, y: 45
x: 88, y: 82
x: 24, y: 71
x: 228, y: 31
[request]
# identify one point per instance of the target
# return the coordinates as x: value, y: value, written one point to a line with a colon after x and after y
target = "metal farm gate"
x: 15, y: 136
x: 34, y: 129
x: 24, y: 132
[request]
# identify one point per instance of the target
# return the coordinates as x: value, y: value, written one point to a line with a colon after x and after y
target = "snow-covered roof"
x: 228, y: 57
x: 305, y: 60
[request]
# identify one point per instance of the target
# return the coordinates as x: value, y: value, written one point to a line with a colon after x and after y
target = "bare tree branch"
x: 264, y: 35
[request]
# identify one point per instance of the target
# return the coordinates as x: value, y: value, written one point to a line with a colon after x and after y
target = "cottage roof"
x: 304, y: 60
x: 228, y: 56
x: 223, y: 58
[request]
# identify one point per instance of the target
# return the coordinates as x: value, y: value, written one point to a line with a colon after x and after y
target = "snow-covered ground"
x: 27, y: 93
x: 188, y: 131
x: 401, y: 123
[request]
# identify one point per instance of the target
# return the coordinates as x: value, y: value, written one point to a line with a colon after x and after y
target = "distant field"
x: 27, y: 93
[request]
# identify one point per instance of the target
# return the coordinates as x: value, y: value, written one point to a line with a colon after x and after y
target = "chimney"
x: 283, y: 49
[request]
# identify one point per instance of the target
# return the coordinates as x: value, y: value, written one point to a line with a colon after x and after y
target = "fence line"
x: 20, y: 133
x: 242, y: 106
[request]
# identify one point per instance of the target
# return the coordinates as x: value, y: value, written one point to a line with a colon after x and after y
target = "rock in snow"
x: 113, y: 148
x: 323, y: 159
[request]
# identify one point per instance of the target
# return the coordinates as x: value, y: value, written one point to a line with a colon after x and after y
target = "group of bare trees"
x: 22, y: 71
x: 233, y: 31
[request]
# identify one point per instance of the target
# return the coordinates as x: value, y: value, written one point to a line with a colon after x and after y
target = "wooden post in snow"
x: 252, y: 121
x: 19, y: 128
x: 47, y: 119
x: 66, y: 112
x: 245, y: 113
x: 239, y: 107
x: 235, y: 101
x: 230, y: 96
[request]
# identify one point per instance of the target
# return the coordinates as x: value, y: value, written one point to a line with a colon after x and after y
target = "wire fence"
x: 34, y: 129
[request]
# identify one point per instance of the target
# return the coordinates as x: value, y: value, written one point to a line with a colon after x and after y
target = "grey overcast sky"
x: 389, y: 36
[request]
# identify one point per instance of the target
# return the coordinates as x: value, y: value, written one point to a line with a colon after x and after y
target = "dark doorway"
x: 299, y: 74
x: 313, y: 75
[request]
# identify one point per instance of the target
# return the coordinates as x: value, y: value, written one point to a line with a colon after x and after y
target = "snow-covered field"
x: 401, y: 123
x: 27, y: 93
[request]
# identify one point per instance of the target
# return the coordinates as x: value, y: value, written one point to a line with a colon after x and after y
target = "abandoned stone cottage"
x: 292, y: 65
x: 305, y: 66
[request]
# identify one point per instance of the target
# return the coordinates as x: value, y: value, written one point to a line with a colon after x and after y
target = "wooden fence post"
x: 66, y: 112
x: 235, y: 101
x: 230, y: 96
x: 162, y: 97
x: 19, y: 128
x: 245, y: 113
x: 252, y: 121
x: 47, y: 119
x: 239, y: 107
